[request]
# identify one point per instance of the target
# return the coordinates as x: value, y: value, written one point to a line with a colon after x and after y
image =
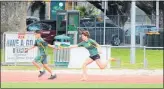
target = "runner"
x: 94, y: 50
x: 42, y: 56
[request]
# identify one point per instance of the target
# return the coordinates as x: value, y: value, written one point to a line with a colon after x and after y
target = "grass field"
x: 78, y: 85
x: 154, y: 57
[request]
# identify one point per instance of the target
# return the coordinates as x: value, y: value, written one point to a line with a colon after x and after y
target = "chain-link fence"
x: 118, y: 37
x: 113, y: 35
x: 121, y: 21
x: 118, y: 31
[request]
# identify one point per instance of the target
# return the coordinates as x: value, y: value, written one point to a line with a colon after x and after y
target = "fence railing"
x: 111, y: 33
x: 118, y: 36
x: 124, y: 20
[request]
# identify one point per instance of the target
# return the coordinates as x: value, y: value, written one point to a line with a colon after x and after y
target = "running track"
x: 27, y: 76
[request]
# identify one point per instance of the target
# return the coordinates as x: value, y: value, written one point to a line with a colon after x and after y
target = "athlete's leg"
x: 35, y: 62
x: 84, y: 67
x: 101, y: 64
x: 50, y: 71
x: 45, y: 65
x: 48, y: 68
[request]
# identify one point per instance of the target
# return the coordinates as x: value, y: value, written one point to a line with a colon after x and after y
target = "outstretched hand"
x: 56, y: 48
x: 26, y: 51
x: 100, y: 52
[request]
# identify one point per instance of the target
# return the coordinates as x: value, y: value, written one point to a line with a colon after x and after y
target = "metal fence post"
x: 104, y: 22
x: 145, y: 62
x: 141, y: 39
x: 109, y: 53
x: 118, y: 62
x: 3, y: 47
x: 16, y: 60
x: 106, y: 52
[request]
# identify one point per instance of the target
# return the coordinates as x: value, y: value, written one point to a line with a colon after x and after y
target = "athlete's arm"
x: 30, y: 48
x: 73, y: 46
x: 51, y: 46
x: 99, y: 48
x: 35, y: 45
x: 95, y: 44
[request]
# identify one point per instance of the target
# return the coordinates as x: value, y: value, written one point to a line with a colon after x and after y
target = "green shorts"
x: 41, y: 58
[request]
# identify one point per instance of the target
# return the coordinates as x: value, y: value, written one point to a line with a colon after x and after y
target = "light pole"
x: 133, y: 40
x: 157, y: 14
x: 104, y: 21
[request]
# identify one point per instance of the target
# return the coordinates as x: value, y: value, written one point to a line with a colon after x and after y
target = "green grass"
x: 154, y: 57
x: 78, y: 85
x: 2, y: 57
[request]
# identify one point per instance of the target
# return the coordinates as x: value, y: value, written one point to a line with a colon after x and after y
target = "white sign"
x: 79, y: 55
x: 15, y: 46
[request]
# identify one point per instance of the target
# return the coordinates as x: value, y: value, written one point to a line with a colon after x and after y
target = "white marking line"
x: 100, y: 72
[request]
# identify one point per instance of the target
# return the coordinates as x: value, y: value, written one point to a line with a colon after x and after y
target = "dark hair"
x: 85, y: 33
x: 37, y: 31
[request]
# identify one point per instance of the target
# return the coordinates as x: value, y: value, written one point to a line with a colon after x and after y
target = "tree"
x: 38, y: 5
x: 85, y: 12
x: 149, y: 7
x: 13, y: 16
x: 123, y: 8
x: 115, y: 8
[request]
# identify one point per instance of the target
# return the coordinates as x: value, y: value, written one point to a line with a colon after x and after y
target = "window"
x: 62, y: 26
x: 53, y: 25
x: 153, y: 28
x: 109, y: 25
x: 45, y: 26
x: 65, y: 40
x: 34, y: 27
x: 57, y: 40
x: 38, y: 26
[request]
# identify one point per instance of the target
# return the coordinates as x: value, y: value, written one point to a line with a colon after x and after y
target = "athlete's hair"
x: 85, y: 33
x: 37, y: 31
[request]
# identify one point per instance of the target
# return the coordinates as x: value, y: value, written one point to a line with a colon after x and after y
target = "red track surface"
x: 74, y: 78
